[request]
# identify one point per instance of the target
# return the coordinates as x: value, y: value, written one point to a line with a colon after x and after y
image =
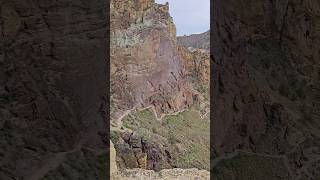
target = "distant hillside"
x: 201, y: 41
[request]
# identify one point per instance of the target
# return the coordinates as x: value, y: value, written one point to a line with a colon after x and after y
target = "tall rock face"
x: 52, y: 81
x: 146, y: 69
x: 200, y: 41
x: 265, y: 59
x: 159, y: 91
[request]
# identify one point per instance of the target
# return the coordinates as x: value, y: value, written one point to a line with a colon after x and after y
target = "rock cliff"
x: 52, y: 84
x: 159, y: 91
x: 145, y: 67
x: 53, y: 88
x: 265, y: 88
x: 168, y: 174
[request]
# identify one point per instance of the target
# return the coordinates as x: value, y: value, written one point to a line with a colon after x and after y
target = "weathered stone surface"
x: 146, y: 67
x: 167, y: 174
x: 113, y: 165
x: 142, y: 160
x: 150, y: 70
x: 52, y: 80
x: 265, y: 80
x: 146, y: 155
x: 142, y: 173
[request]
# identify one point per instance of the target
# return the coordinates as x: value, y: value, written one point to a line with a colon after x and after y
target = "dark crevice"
x: 283, y: 24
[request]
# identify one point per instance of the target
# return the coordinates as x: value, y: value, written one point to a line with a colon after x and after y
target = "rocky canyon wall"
x: 53, y: 79
x: 265, y: 93
x: 159, y: 91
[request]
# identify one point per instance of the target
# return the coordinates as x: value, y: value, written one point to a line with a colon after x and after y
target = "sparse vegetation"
x: 185, y: 131
x: 114, y: 136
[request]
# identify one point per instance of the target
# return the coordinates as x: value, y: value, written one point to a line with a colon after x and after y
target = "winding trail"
x: 117, y: 123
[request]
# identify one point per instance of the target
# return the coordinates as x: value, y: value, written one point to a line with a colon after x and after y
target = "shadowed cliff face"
x: 265, y: 85
x: 52, y: 81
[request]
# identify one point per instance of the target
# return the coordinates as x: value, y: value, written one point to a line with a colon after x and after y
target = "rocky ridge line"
x: 199, y: 41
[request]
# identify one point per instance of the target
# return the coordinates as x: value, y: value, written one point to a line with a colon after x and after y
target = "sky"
x: 189, y: 16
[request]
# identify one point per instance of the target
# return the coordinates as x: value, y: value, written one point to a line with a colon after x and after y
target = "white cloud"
x: 190, y: 16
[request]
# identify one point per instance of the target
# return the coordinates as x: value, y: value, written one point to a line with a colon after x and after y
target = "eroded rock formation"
x: 168, y: 174
x: 265, y: 88
x: 157, y: 88
x: 52, y: 83
x: 146, y: 67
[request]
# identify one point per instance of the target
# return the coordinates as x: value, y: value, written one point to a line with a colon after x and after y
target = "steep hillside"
x: 200, y: 41
x: 266, y: 89
x: 158, y: 96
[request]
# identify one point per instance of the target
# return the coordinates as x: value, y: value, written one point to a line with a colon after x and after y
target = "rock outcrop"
x: 265, y: 88
x: 168, y: 174
x: 155, y: 85
x: 146, y: 69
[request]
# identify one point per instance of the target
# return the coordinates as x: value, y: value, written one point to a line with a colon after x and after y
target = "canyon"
x: 159, y: 93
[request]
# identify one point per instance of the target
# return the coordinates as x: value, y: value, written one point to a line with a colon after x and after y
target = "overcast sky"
x: 189, y: 16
